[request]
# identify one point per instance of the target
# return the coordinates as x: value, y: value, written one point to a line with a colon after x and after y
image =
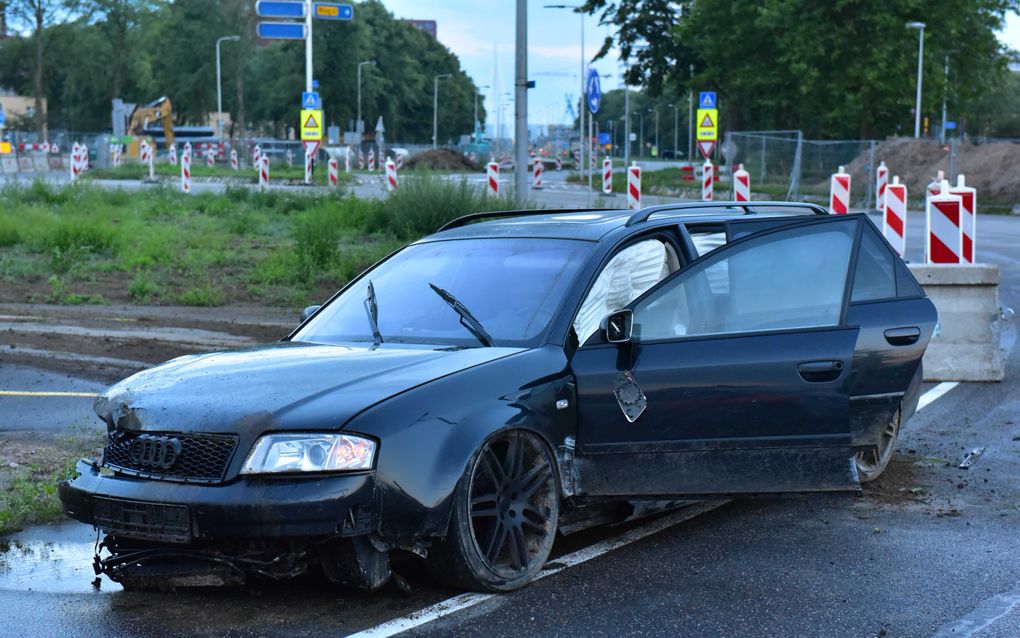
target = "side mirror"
x: 308, y: 312
x: 617, y: 326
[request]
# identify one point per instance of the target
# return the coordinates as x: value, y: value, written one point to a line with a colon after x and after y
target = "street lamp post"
x: 580, y: 114
x: 657, y: 149
x: 357, y: 123
x: 676, y: 129
x: 219, y: 85
x: 476, y: 122
x: 920, y: 66
x: 435, y: 107
x: 641, y: 135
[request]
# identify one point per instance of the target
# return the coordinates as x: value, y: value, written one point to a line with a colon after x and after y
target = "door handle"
x: 820, y: 371
x: 903, y: 336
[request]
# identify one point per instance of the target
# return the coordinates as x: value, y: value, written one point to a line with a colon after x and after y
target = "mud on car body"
x: 510, y: 377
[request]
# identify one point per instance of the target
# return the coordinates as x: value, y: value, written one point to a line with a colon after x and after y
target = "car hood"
x: 279, y: 386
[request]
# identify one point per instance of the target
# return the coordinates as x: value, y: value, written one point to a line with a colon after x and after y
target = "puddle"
x: 51, y: 558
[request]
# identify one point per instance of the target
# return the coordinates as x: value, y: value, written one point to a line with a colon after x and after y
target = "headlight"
x: 275, y: 453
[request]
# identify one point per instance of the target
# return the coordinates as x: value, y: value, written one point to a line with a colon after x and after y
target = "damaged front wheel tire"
x: 505, y: 515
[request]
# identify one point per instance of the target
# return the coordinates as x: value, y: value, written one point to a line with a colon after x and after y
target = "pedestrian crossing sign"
x: 311, y: 124
x: 708, y: 124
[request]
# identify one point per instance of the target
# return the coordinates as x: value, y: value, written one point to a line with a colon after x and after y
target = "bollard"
x: 492, y: 175
x: 559, y: 164
x: 333, y: 170
x: 116, y: 154
x: 75, y: 162
x: 83, y: 164
x: 263, y: 172
x: 881, y: 181
x: 839, y: 192
x: 935, y: 185
x: 256, y: 158
x: 391, y: 175
x: 537, y: 171
x: 968, y: 216
x: 309, y: 160
x: 371, y: 160
x: 210, y: 157
x: 186, y: 171
x: 707, y: 181
x: 347, y: 160
x: 945, y: 233
x: 152, y: 162
x: 172, y: 153
x: 741, y: 184
x: 634, y: 186
x: 607, y: 176
x: 143, y: 152
x: 361, y: 160
x: 290, y: 158
x: 233, y: 159
x: 400, y: 161
x: 894, y: 216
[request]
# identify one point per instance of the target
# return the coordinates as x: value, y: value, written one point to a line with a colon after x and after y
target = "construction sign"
x: 311, y: 124
x: 5, y: 148
x: 708, y: 124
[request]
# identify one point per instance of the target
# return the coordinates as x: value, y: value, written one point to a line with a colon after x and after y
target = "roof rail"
x: 502, y: 214
x: 746, y: 208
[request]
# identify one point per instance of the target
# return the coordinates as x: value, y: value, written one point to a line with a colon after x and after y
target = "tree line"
x: 80, y: 54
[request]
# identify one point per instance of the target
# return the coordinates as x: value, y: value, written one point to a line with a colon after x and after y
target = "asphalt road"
x: 929, y: 550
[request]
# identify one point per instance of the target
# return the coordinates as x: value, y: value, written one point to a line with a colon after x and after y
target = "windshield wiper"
x: 466, y: 318
x: 372, y: 309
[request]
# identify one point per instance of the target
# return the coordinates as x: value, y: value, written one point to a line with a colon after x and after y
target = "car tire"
x: 505, y: 516
x: 872, y: 462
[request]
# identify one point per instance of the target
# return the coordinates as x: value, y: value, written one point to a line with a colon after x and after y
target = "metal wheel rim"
x: 511, y: 499
x: 875, y: 459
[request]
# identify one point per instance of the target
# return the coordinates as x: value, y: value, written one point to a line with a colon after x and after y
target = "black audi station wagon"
x: 513, y: 376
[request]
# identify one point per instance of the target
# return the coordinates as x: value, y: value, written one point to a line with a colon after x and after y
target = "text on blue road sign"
x: 280, y: 9
x: 706, y: 100
x: 281, y: 30
x: 593, y: 89
x: 311, y: 100
x: 332, y: 11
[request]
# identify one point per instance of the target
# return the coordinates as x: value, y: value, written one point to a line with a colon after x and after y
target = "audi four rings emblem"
x: 155, y: 451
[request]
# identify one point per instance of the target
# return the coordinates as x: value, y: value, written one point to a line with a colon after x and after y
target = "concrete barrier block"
x: 967, y: 343
x: 9, y: 164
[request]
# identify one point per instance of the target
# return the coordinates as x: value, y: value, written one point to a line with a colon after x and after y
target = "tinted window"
x: 875, y: 276
x: 788, y: 279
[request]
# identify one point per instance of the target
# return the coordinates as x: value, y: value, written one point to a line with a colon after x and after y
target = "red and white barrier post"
x: 290, y: 158
x: 894, y: 215
x: 968, y: 216
x: 186, y: 171
x: 210, y: 157
x: 333, y: 171
x: 347, y: 160
x: 559, y: 164
x: 933, y: 188
x: 256, y: 158
x: 537, y: 166
x: 83, y: 159
x: 361, y: 160
x: 935, y: 185
x: 741, y: 184
x: 116, y: 154
x: 391, y: 175
x: 309, y: 159
x: 400, y: 161
x: 945, y: 232
x: 881, y: 181
x: 233, y: 159
x: 607, y: 176
x: 263, y: 172
x: 634, y: 186
x: 839, y: 192
x: 171, y: 152
x: 75, y: 162
x: 707, y: 181
x: 371, y: 160
x: 492, y: 178
x: 143, y: 152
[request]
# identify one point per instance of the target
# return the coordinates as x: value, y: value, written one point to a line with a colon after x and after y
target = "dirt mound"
x: 443, y: 159
x: 990, y: 168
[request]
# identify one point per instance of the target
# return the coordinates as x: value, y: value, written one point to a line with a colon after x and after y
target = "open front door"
x: 736, y: 379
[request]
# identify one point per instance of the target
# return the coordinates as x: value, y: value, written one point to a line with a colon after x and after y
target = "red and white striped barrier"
x: 930, y: 190
x: 83, y: 159
x: 881, y: 181
x: 968, y: 216
x: 263, y: 172
x: 148, y: 155
x: 290, y: 158
x: 839, y: 192
x: 634, y: 186
x: 559, y: 164
x: 143, y: 152
x: 75, y: 162
x: 256, y: 158
x: 333, y: 171
x: 945, y: 232
x: 233, y: 159
x: 935, y: 185
x: 44, y: 147
x: 607, y: 176
x: 186, y: 171
x: 537, y: 167
x: 371, y: 159
x: 741, y: 184
x: 707, y: 181
x: 309, y: 164
x: 492, y: 178
x: 400, y: 161
x: 210, y: 157
x: 361, y: 160
x: 391, y: 175
x: 172, y: 153
x: 894, y: 215
x: 187, y: 148
x: 116, y: 150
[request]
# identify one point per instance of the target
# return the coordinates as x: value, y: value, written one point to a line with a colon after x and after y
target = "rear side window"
x: 875, y: 275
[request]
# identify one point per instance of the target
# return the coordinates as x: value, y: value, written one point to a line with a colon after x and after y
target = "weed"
x: 61, y: 294
x: 204, y: 295
x: 143, y: 287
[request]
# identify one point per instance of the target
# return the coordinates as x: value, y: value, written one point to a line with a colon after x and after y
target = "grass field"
x: 158, y: 246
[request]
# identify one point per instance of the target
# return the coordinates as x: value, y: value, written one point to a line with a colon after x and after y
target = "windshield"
x: 510, y: 286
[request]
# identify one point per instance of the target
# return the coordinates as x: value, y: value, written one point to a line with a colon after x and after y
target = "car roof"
x: 594, y: 224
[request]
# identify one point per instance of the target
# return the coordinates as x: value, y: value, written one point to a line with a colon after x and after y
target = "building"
x: 428, y: 26
x: 18, y: 109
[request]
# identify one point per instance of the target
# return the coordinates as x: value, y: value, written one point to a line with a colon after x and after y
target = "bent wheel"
x: 505, y: 516
x: 871, y: 463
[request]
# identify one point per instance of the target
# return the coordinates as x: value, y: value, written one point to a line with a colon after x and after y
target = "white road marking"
x: 982, y: 616
x: 930, y: 396
x: 30, y: 393
x: 464, y: 601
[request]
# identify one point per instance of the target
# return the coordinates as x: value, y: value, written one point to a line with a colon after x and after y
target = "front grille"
x: 171, y: 456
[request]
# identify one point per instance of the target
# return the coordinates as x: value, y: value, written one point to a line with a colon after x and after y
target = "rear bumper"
x: 244, y: 508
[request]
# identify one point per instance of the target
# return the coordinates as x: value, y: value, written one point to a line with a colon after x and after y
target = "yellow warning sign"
x: 5, y: 148
x: 708, y: 124
x: 311, y: 124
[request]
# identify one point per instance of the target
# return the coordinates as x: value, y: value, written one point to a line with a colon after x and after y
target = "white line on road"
x: 30, y: 393
x: 982, y: 616
x: 463, y: 601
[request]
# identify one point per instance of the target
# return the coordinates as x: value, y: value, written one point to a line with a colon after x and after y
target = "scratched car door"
x: 736, y: 379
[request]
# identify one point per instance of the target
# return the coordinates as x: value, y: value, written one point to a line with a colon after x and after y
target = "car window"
x: 793, y: 278
x: 627, y: 276
x: 875, y: 275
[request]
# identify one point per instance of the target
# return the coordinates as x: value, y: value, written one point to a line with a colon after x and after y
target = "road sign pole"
x: 308, y: 48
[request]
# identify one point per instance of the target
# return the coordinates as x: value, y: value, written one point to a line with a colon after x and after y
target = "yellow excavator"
x: 161, y: 111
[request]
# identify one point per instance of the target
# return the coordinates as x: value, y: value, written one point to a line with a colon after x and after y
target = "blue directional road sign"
x: 3, y: 117
x: 281, y: 30
x: 280, y: 9
x: 332, y: 11
x: 950, y: 125
x: 311, y: 101
x: 593, y: 88
x: 706, y: 100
